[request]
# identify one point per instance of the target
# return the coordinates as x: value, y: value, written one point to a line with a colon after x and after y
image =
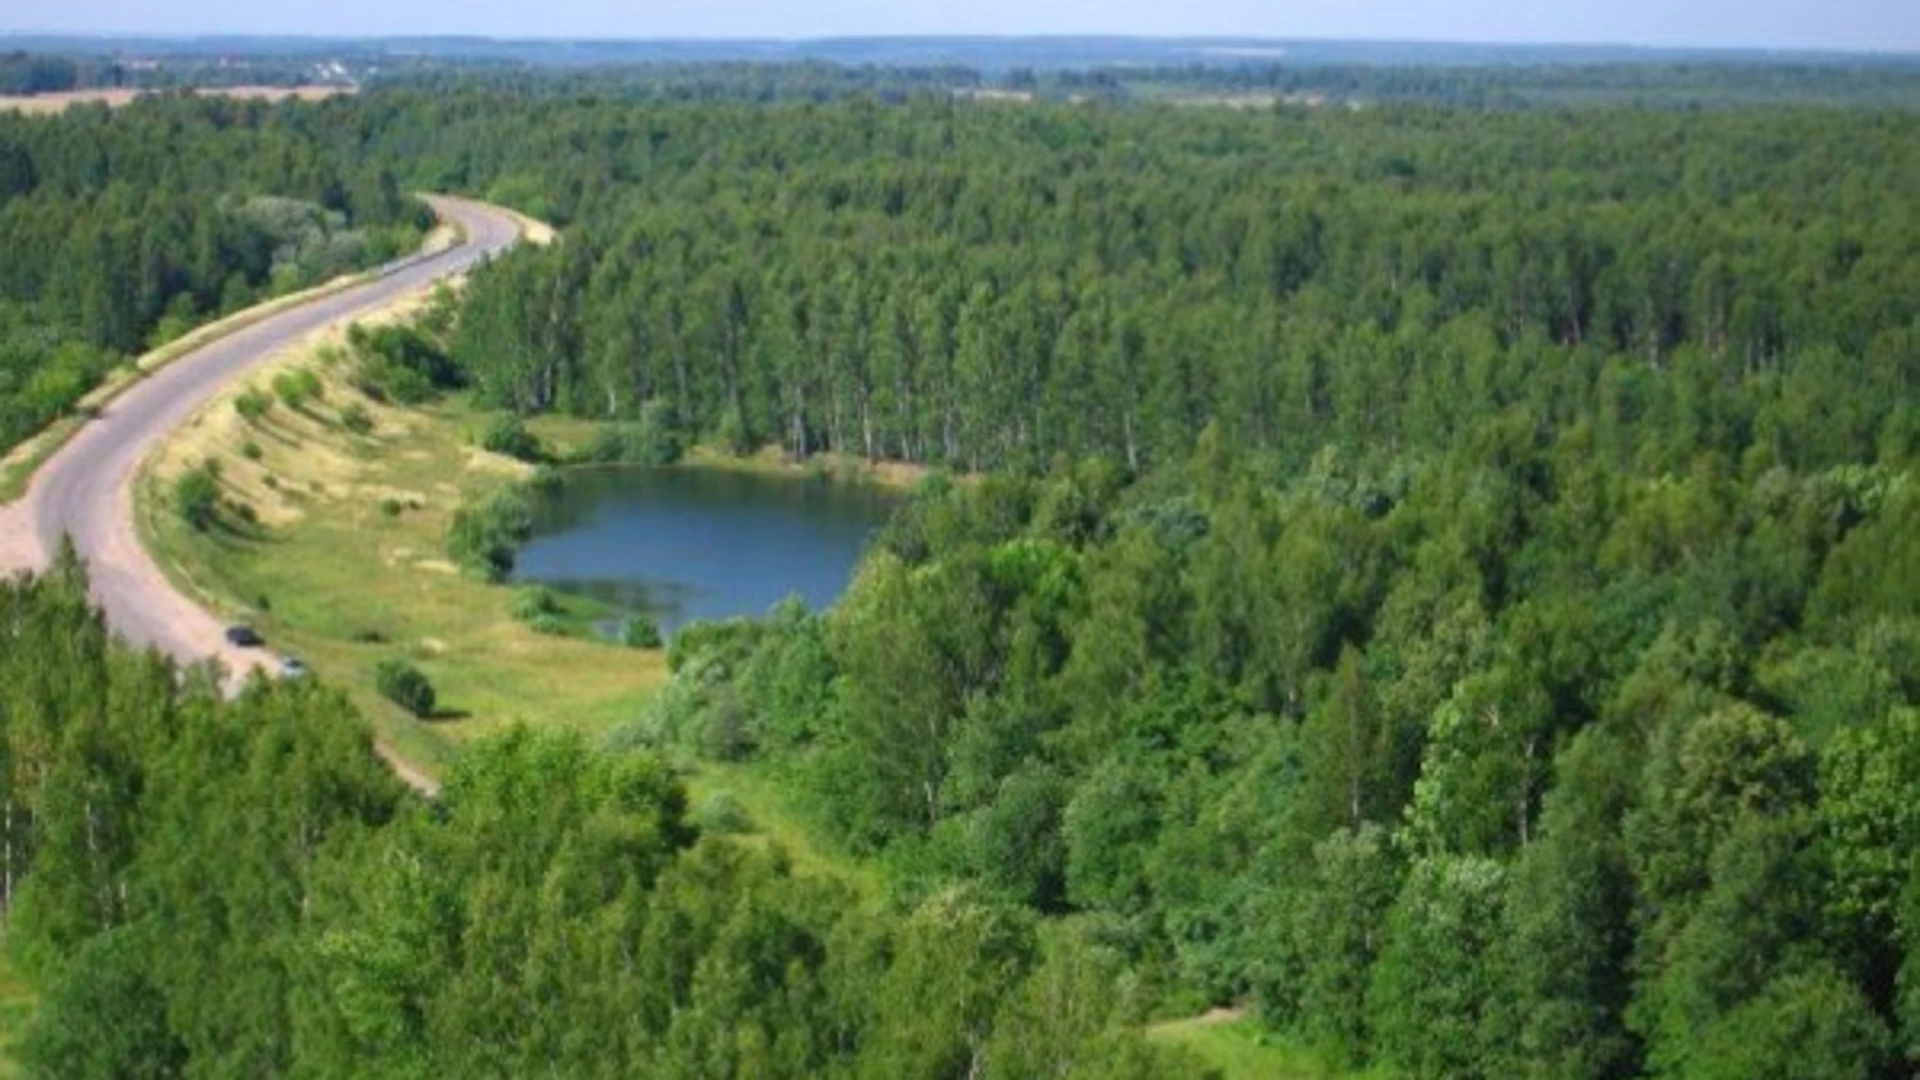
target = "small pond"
x: 684, y: 544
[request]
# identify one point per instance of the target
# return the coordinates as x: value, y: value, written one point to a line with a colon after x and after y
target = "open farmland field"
x: 117, y: 96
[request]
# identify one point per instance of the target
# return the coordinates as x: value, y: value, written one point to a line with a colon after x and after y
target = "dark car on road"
x: 245, y: 637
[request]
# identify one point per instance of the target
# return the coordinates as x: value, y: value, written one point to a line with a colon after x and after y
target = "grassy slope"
x: 21, y: 462
x: 16, y: 1003
x: 332, y: 566
x: 335, y: 570
x: 1237, y: 1047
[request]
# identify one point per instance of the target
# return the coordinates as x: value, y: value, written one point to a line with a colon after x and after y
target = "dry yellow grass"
x: 294, y: 460
x: 39, y: 104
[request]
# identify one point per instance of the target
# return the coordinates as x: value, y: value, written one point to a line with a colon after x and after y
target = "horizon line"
x: 726, y: 39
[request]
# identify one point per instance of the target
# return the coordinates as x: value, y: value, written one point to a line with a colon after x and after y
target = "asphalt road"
x: 86, y: 489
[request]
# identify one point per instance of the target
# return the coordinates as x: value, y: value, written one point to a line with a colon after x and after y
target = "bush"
x: 641, y: 633
x: 726, y: 731
x: 485, y: 535
x: 250, y: 450
x: 356, y: 419
x: 290, y: 389
x: 532, y: 602
x: 405, y: 686
x: 509, y: 435
x: 196, y: 495
x: 401, y: 363
x: 310, y: 384
x: 550, y: 625
x: 720, y: 813
x: 651, y: 440
x: 390, y: 508
x: 253, y: 404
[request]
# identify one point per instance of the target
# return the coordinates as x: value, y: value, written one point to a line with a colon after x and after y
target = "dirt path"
x: 85, y: 490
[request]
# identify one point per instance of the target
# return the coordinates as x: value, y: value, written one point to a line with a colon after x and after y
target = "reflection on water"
x: 685, y: 544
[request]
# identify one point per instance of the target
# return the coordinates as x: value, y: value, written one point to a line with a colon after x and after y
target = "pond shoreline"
x: 699, y: 539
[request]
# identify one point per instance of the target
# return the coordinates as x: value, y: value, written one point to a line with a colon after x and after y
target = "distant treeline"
x: 734, y: 81
x: 1700, y: 83
x: 1666, y: 84
x: 39, y: 73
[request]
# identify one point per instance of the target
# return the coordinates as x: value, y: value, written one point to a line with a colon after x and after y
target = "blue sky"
x: 1892, y: 25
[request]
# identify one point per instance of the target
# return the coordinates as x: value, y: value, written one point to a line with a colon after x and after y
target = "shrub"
x: 245, y: 512
x: 310, y: 385
x: 250, y: 450
x: 290, y: 390
x: 651, y: 440
x: 550, y: 625
x: 401, y: 363
x: 390, y: 508
x: 546, y: 481
x: 608, y: 445
x: 356, y: 419
x: 509, y: 435
x: 253, y: 404
x: 726, y: 642
x: 485, y: 535
x: 405, y: 686
x: 720, y: 813
x: 532, y: 602
x: 196, y: 495
x: 726, y: 733
x: 641, y: 633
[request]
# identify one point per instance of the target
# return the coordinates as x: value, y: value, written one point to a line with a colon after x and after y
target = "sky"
x: 1877, y: 25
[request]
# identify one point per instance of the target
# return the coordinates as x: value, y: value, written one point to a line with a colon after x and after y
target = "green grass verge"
x: 1239, y: 1049
x: 16, y: 1005
x: 776, y: 821
x: 336, y: 575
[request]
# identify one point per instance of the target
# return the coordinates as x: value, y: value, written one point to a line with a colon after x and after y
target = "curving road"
x: 86, y: 489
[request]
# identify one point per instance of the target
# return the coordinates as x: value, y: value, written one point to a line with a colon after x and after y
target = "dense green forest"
x: 1445, y: 580
x: 1448, y: 580
x: 988, y: 287
x: 126, y: 227
x: 205, y: 887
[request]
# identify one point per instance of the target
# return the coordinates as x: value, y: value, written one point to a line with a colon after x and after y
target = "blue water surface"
x: 682, y: 544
